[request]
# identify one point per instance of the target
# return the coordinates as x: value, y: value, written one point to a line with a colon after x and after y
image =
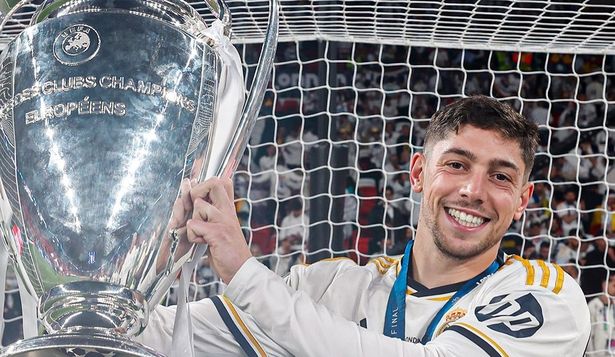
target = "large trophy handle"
x: 237, y: 145
x: 255, y: 97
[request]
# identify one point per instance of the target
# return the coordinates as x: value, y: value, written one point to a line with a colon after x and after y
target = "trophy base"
x: 76, y: 345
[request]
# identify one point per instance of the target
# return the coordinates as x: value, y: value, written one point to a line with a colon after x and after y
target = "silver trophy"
x: 106, y: 107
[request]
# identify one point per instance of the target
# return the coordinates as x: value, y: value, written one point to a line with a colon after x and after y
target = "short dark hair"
x: 485, y: 113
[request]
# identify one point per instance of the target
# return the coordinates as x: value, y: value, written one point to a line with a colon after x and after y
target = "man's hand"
x: 214, y: 221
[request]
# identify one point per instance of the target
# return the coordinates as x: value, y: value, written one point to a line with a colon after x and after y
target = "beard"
x: 447, y: 248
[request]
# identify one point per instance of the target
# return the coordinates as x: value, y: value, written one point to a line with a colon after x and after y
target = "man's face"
x: 473, y: 186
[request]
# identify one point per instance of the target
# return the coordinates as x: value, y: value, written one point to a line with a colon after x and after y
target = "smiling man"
x: 453, y: 293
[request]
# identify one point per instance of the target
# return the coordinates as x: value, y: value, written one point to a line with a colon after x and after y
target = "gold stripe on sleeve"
x: 546, y: 273
x: 559, y: 282
x: 381, y: 269
x: 391, y: 260
x: 484, y: 337
x: 243, y: 326
x: 529, y: 268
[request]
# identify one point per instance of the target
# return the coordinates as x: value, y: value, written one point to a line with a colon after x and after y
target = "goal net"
x: 354, y: 85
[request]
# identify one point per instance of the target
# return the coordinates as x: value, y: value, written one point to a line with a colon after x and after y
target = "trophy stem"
x: 93, y: 306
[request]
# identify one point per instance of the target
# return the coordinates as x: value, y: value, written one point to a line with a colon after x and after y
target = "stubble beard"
x: 447, y: 250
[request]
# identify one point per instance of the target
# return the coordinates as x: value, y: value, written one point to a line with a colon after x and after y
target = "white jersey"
x: 602, y: 342
x: 337, y: 308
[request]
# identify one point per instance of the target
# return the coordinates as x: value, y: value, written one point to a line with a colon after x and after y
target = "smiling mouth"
x: 465, y: 219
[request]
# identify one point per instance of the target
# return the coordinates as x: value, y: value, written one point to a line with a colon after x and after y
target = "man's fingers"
x: 198, y: 231
x: 186, y: 199
x: 217, y: 191
x: 228, y: 187
x: 178, y: 216
x: 206, y: 211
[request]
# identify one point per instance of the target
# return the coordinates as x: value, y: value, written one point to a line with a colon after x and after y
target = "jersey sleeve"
x: 508, y: 320
x: 219, y: 328
x: 303, y: 327
x: 534, y: 309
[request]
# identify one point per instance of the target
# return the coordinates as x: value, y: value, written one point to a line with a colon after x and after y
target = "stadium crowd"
x: 376, y: 101
x: 570, y: 219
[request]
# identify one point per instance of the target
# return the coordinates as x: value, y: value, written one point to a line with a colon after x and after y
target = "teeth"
x: 465, y: 219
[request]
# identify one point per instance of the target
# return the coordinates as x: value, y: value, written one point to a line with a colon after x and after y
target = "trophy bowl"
x: 106, y: 108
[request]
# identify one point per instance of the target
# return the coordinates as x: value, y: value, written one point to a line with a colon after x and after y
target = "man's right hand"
x: 214, y: 221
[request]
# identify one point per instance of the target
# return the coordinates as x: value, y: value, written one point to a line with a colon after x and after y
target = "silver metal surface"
x: 106, y: 107
x: 84, y: 343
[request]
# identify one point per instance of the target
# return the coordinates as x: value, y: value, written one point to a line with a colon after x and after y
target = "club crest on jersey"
x: 76, y: 44
x: 451, y: 317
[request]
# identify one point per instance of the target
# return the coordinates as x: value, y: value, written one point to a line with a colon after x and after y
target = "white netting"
x: 354, y: 85
x: 567, y: 26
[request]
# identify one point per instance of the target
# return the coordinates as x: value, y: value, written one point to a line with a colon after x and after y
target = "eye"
x: 502, y: 177
x: 455, y: 165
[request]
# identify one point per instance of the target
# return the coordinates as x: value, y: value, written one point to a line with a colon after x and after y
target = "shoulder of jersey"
x: 384, y: 264
x: 331, y: 265
x: 535, y: 273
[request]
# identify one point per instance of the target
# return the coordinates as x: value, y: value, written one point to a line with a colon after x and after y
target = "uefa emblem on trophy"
x: 106, y: 107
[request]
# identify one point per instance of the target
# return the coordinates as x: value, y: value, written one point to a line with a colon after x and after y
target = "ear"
x: 417, y: 164
x: 524, y: 199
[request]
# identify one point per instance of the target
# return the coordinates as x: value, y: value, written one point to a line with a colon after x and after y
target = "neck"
x: 433, y: 269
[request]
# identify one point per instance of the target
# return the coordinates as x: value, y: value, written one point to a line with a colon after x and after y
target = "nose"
x: 473, y: 188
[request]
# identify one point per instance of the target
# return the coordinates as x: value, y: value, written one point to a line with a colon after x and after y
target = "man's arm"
x: 304, y: 328
x: 220, y: 329
x: 508, y: 320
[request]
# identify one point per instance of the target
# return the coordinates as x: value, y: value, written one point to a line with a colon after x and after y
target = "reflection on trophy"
x: 107, y: 107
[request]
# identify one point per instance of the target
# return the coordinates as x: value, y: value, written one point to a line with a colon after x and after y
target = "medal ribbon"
x: 395, y: 317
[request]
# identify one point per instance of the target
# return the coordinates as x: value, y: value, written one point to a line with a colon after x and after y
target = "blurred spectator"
x: 257, y: 252
x: 387, y: 217
x: 286, y: 256
x: 605, y: 219
x: 538, y: 113
x: 597, y: 262
x: 292, y: 150
x: 529, y: 252
x: 295, y: 225
x: 571, y: 269
x: 403, y: 140
x: 567, y: 211
x: 512, y: 244
x: 591, y: 166
x: 567, y: 250
x: 264, y: 181
x: 602, y: 314
x: 544, y: 253
x: 536, y: 234
x: 289, y: 181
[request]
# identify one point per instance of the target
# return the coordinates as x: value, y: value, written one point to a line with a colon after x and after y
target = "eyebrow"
x: 495, y: 163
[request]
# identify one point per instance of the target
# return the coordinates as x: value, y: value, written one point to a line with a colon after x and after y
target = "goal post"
x: 354, y: 85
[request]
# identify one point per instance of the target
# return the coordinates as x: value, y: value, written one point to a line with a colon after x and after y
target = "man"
x: 602, y: 312
x: 567, y: 211
x: 452, y: 293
